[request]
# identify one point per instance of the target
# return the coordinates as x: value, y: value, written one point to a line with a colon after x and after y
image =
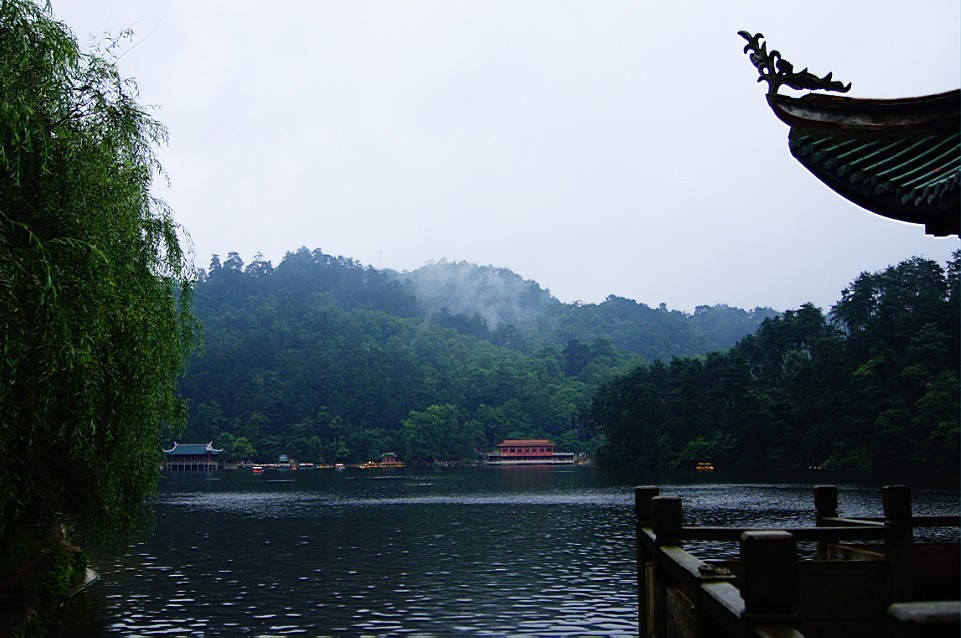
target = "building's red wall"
x: 527, y: 451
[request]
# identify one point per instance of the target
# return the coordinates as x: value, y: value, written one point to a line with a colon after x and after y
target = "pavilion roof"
x: 526, y: 443
x: 899, y: 158
x: 192, y: 449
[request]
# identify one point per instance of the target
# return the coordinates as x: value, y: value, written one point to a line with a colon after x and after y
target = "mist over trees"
x: 497, y: 296
x: 497, y: 304
x: 324, y: 359
x: 876, y: 386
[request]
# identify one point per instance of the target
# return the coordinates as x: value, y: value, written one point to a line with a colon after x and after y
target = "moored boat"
x: 387, y: 460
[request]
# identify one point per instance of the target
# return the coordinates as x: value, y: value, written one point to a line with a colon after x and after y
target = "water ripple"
x: 475, y: 551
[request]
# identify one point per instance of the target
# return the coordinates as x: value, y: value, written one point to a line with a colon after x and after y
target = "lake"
x: 481, y: 550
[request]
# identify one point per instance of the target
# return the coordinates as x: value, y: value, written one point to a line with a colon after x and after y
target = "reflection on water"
x: 488, y: 551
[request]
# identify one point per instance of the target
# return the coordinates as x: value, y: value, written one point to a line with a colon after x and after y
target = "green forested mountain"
x: 877, y: 386
x: 498, y: 304
x: 324, y: 359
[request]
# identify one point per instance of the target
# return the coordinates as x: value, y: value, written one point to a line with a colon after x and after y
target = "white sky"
x: 596, y: 146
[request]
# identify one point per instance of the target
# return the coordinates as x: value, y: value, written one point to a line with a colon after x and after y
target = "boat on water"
x: 257, y: 469
x: 338, y: 466
x: 387, y: 460
x: 705, y: 466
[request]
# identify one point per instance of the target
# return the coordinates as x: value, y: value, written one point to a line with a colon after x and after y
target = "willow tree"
x: 95, y: 323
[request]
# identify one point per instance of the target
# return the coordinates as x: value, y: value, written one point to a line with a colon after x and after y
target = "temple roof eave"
x: 899, y: 158
x: 929, y: 113
x: 192, y: 449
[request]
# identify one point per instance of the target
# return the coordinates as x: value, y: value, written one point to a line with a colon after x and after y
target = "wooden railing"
x: 846, y: 591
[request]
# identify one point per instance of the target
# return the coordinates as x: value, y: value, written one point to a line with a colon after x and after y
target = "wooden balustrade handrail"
x: 823, y: 534
x: 940, y: 520
x: 843, y: 521
x: 836, y: 529
x: 722, y: 601
x: 761, y: 599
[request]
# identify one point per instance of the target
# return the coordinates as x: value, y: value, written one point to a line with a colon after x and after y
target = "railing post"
x: 825, y: 506
x: 667, y: 518
x: 643, y: 496
x: 768, y: 581
x: 900, y: 544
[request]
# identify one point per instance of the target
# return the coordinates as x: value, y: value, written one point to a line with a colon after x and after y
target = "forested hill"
x: 876, y: 387
x: 322, y: 358
x: 497, y: 303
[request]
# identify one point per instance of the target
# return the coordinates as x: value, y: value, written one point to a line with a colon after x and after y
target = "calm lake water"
x: 483, y: 551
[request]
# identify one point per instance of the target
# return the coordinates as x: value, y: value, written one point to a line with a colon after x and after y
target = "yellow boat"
x: 388, y: 460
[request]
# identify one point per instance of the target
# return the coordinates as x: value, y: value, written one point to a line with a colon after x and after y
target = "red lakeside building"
x: 529, y: 452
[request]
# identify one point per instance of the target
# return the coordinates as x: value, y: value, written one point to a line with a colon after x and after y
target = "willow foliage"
x: 95, y: 322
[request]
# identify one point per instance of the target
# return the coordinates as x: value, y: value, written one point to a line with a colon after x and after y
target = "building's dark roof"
x: 192, y: 449
x: 526, y: 443
x: 898, y: 158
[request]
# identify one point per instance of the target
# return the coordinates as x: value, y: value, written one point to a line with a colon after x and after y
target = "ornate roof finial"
x: 776, y: 71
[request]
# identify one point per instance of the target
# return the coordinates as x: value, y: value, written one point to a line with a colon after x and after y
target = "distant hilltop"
x: 490, y: 303
x: 473, y: 299
x: 331, y: 361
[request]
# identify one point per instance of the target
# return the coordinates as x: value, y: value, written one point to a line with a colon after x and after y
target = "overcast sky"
x: 596, y: 146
